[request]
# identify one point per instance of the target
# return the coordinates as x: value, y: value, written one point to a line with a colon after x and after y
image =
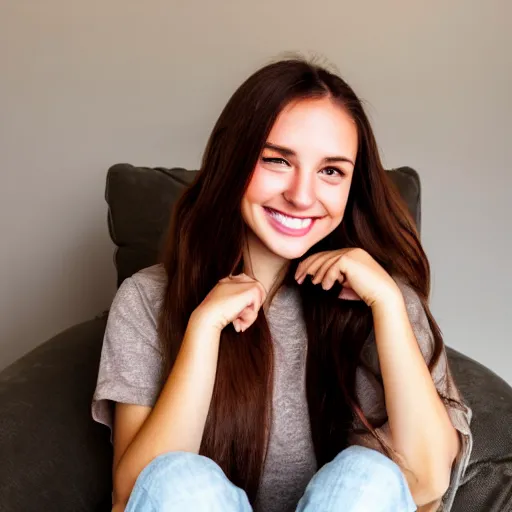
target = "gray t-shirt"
x: 131, y: 367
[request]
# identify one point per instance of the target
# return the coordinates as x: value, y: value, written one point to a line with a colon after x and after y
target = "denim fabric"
x: 357, y: 480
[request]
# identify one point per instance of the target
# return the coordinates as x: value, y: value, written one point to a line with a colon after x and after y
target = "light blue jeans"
x: 356, y: 480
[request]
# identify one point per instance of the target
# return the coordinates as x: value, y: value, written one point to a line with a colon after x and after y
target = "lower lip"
x: 285, y: 229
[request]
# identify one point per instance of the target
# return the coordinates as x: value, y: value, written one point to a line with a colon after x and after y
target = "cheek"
x: 335, y: 201
x: 262, y: 187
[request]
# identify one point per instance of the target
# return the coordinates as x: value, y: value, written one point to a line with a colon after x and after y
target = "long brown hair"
x: 205, y: 244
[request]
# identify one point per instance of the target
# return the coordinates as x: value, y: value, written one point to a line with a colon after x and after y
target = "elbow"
x: 437, y: 481
x: 431, y: 487
x: 432, y: 479
x: 438, y: 486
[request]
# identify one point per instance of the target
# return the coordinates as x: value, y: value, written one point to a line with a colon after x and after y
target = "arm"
x: 177, y: 420
x: 420, y: 427
x: 421, y: 430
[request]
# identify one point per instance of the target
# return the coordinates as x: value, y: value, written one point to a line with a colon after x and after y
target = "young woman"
x: 282, y: 355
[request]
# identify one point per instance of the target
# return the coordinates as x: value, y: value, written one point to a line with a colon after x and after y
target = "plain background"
x: 85, y: 85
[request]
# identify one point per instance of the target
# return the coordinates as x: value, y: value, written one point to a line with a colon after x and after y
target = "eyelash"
x: 273, y: 160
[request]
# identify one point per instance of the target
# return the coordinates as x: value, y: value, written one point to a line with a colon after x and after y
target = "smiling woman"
x: 282, y: 355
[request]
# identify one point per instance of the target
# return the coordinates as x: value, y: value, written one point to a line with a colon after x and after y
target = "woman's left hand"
x: 361, y: 276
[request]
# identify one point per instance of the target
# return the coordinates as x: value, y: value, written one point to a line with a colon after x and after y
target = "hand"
x: 361, y: 276
x: 234, y: 299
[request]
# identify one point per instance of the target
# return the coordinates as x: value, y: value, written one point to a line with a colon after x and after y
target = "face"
x: 300, y: 185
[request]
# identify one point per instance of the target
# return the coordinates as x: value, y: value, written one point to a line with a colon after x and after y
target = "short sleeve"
x: 131, y: 363
x: 370, y: 391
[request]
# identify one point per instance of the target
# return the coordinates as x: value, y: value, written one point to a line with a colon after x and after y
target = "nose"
x: 301, y: 191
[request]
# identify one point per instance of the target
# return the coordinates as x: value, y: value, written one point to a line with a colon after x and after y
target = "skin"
x: 300, y: 185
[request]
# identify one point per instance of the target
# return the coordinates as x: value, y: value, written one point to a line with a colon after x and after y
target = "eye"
x: 274, y: 160
x: 332, y: 171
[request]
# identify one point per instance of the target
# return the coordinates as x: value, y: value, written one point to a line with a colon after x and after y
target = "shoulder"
x: 411, y: 297
x: 419, y: 321
x: 144, y: 290
x: 150, y: 282
x: 134, y: 312
x: 418, y: 318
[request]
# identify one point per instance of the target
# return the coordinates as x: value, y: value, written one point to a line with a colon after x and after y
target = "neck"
x: 265, y: 266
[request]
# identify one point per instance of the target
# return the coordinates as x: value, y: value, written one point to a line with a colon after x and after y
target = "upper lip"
x: 292, y: 216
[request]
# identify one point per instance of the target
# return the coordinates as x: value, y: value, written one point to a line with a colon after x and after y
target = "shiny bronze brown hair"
x: 205, y: 244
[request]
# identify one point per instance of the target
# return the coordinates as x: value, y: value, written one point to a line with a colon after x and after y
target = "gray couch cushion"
x: 487, y: 485
x: 53, y: 456
x: 140, y: 200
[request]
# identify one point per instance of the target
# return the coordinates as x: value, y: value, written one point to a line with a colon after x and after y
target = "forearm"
x: 420, y: 427
x: 176, y: 423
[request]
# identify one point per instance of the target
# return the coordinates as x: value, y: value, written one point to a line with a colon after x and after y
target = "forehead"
x: 315, y: 125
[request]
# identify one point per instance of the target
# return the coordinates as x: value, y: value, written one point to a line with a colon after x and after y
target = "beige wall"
x: 87, y: 84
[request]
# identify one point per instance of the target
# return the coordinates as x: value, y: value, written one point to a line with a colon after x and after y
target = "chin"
x: 288, y: 251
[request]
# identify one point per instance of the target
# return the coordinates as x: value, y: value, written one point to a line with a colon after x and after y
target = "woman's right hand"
x: 234, y: 299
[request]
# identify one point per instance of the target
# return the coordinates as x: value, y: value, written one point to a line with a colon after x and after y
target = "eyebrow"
x: 289, y: 152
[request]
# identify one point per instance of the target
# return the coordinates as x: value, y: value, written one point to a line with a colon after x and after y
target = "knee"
x: 358, y: 466
x: 358, y: 478
x: 173, y: 467
x: 362, y: 457
x: 368, y: 463
x: 183, y: 481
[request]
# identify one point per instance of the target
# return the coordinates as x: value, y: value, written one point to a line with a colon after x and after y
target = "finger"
x: 260, y: 295
x: 349, y: 294
x: 303, y: 265
x: 332, y: 276
x: 247, y: 318
x: 307, y: 267
x: 326, y: 265
x: 254, y: 298
x: 312, y: 268
x: 257, y: 292
x: 244, y: 278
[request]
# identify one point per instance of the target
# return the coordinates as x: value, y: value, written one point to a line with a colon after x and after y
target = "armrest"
x: 54, y: 457
x: 487, y: 484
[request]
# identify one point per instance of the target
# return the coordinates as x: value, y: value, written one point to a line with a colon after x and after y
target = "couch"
x: 53, y: 457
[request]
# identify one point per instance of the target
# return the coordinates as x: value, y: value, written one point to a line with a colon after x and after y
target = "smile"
x: 293, y: 226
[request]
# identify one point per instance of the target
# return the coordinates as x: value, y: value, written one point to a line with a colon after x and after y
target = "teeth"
x: 290, y: 222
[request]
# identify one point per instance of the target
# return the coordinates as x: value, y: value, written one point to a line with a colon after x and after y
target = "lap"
x: 357, y: 480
